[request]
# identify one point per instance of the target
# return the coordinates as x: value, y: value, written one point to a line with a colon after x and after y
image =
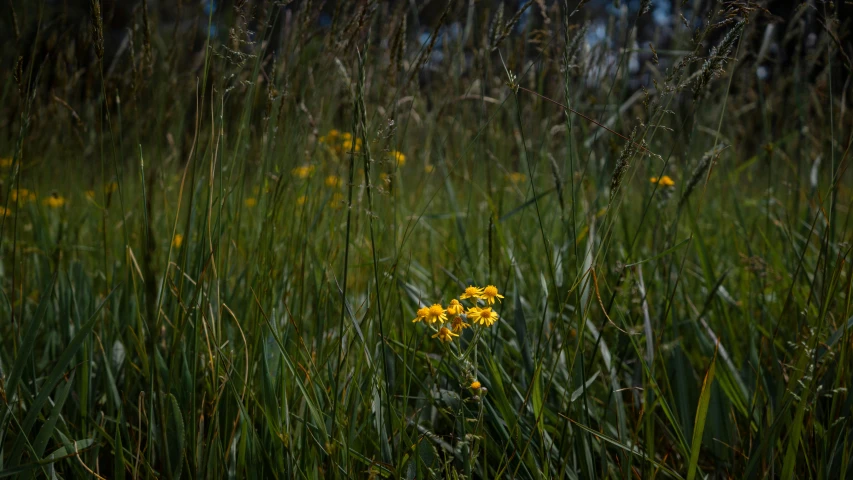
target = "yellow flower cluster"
x: 663, y: 181
x: 340, y: 142
x: 54, y: 201
x: 5, y: 162
x: 303, y: 171
x: 22, y: 195
x: 331, y: 137
x: 334, y: 181
x: 449, y: 322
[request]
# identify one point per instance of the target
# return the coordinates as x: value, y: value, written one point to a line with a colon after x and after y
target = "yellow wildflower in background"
x: 472, y: 292
x: 250, y: 202
x: 516, y: 177
x: 54, y: 201
x: 330, y: 137
x: 23, y: 195
x: 490, y: 293
x: 301, y: 200
x: 436, y: 314
x: 398, y: 157
x: 178, y: 240
x: 5, y: 212
x: 90, y: 194
x: 303, y: 171
x: 110, y: 187
x: 347, y: 145
x: 429, y: 168
x: 663, y: 181
x: 483, y: 316
x: 5, y: 162
x: 445, y: 335
x: 334, y: 181
x: 457, y: 324
x: 422, y: 314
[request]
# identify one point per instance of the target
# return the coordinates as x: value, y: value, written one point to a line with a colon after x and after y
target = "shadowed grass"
x: 234, y: 295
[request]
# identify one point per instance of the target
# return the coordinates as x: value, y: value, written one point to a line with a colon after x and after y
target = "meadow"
x: 459, y: 239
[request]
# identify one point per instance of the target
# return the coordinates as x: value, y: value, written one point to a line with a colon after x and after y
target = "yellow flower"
x: 5, y: 162
x: 5, y: 212
x: 472, y: 292
x: 457, y: 324
x: 110, y: 187
x: 301, y: 200
x: 23, y: 195
x: 445, y: 335
x: 333, y: 181
x: 429, y: 168
x: 178, y: 240
x: 663, y: 181
x: 303, y: 171
x: 455, y: 308
x: 422, y: 313
x: 475, y: 385
x: 250, y: 202
x: 90, y: 194
x: 347, y: 145
x: 516, y: 177
x: 436, y: 314
x: 330, y: 137
x: 483, y: 316
x: 490, y: 293
x: 54, y: 201
x: 399, y: 157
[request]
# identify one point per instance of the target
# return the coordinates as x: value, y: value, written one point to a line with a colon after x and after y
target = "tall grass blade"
x: 699, y: 423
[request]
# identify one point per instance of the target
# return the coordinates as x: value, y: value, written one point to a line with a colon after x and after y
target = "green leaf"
x: 699, y: 423
x: 27, y: 345
x: 538, y: 401
x: 175, y: 437
x: 119, y: 468
x: 630, y: 449
x: 794, y: 438
x: 46, y: 430
x: 59, y: 369
x: 58, y: 454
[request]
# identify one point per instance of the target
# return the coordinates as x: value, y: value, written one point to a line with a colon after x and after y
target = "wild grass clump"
x: 452, y: 240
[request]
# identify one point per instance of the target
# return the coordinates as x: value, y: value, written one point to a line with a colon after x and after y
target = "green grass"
x: 647, y: 331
